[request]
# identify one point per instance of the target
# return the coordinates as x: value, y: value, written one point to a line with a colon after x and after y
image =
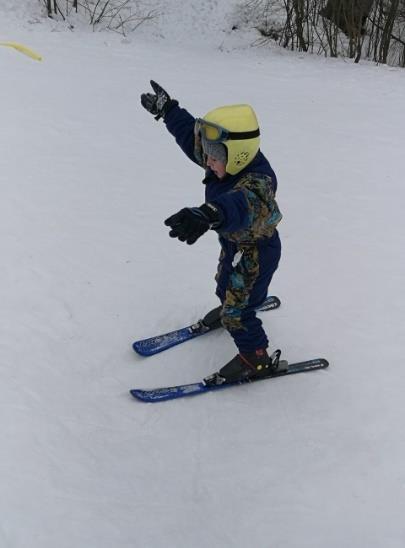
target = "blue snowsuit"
x: 250, y: 243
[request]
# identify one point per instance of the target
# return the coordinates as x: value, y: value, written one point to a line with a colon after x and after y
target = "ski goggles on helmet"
x: 213, y: 133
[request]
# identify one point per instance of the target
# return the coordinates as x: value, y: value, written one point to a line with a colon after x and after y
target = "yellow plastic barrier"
x: 23, y: 49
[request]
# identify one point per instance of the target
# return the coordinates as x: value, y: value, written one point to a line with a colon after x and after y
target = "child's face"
x: 216, y: 166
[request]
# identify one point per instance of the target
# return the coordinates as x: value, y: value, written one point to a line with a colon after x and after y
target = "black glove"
x: 192, y: 222
x: 159, y: 103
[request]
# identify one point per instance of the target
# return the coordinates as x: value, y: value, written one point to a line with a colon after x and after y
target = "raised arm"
x: 179, y: 122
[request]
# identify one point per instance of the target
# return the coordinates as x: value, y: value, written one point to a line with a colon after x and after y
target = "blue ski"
x: 154, y: 345
x: 170, y: 393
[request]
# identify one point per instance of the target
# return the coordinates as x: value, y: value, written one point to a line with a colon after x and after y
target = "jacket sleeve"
x: 180, y: 124
x: 250, y: 210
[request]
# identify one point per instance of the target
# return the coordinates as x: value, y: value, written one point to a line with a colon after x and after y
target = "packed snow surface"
x: 87, y: 178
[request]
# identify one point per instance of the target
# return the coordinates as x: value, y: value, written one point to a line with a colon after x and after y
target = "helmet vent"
x: 241, y: 158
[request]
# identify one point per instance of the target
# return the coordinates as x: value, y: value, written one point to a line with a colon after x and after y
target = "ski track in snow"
x: 87, y: 178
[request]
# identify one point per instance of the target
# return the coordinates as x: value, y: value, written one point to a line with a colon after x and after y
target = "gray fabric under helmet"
x: 216, y: 150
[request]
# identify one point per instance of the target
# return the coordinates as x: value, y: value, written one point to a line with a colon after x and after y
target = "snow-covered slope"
x: 87, y: 178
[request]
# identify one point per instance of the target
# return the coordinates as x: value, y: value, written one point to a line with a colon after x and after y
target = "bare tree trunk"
x: 387, y: 31
x: 298, y: 6
x: 378, y: 27
x: 331, y: 30
x: 288, y: 31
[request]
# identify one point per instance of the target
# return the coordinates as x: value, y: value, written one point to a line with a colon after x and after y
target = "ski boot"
x: 213, y: 318
x: 248, y: 366
x: 210, y: 322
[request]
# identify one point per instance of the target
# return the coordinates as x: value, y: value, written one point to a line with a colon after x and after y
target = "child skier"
x: 240, y: 206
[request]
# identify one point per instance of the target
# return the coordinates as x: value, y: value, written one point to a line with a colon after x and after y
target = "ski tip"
x: 143, y: 350
x: 136, y: 394
x: 154, y: 395
x: 137, y: 349
x: 271, y: 303
x: 142, y: 395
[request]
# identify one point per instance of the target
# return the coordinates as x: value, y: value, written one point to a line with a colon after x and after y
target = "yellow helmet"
x: 241, y: 137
